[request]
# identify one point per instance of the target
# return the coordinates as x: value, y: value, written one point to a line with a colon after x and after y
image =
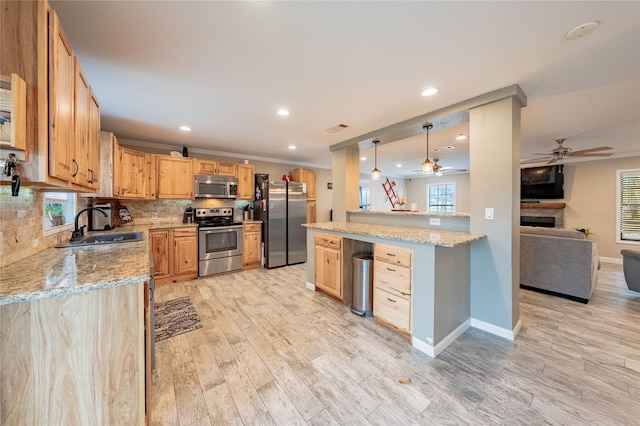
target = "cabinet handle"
x: 390, y: 300
x: 392, y: 270
x: 391, y: 255
x: 77, y: 167
x: 337, y: 256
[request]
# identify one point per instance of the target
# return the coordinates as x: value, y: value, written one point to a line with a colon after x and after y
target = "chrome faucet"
x: 78, y: 233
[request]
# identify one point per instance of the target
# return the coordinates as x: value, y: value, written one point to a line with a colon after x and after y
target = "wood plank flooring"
x: 272, y: 352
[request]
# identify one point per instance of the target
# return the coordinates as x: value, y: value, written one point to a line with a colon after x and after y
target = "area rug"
x: 175, y: 317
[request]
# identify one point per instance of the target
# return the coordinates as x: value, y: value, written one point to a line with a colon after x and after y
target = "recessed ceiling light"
x: 430, y: 91
x: 283, y: 112
x: 582, y: 30
x: 185, y: 128
x: 292, y: 147
x: 398, y: 165
x: 363, y: 158
x: 461, y: 137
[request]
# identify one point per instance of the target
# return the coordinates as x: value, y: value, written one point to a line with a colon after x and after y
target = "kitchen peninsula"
x: 437, y: 270
x: 72, y: 329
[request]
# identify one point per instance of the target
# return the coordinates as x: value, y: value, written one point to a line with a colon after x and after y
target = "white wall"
x: 417, y: 190
x: 378, y: 196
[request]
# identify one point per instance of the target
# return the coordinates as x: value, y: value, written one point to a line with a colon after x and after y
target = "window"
x: 364, y: 199
x: 59, y: 210
x: 628, y: 200
x: 441, y: 198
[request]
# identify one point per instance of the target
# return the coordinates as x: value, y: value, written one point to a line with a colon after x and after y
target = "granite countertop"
x: 59, y: 271
x: 400, y: 233
x: 409, y: 212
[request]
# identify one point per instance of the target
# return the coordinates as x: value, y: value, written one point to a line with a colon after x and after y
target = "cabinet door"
x: 245, y: 181
x: 392, y: 309
x: 226, y: 168
x: 82, y: 111
x: 206, y: 167
x: 328, y: 271
x: 129, y: 174
x: 309, y: 177
x: 251, y: 253
x: 311, y: 212
x: 94, y: 143
x: 61, y: 106
x: 185, y: 258
x: 174, y: 177
x: 159, y: 242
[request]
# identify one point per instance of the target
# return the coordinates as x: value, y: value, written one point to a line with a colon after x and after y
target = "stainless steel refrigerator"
x: 282, y: 210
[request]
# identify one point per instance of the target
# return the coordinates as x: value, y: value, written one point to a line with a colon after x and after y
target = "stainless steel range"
x: 219, y: 241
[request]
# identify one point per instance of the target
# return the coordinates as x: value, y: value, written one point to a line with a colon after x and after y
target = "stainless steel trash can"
x: 362, y: 296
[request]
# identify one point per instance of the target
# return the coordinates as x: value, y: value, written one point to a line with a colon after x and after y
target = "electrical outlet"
x: 488, y: 213
x: 434, y: 221
x: 154, y: 215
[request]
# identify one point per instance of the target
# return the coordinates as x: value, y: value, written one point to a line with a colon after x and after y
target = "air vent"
x: 443, y: 148
x: 336, y: 129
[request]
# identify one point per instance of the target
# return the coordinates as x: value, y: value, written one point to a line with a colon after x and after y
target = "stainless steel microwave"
x: 216, y: 187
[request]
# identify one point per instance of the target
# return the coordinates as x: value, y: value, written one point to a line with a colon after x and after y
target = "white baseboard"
x: 311, y: 286
x: 614, y: 260
x: 498, y: 331
x: 442, y: 345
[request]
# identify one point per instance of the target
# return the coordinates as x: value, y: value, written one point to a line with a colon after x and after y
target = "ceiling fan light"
x: 427, y: 167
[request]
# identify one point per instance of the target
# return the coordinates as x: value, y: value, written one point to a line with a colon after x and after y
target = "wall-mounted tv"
x: 542, y: 183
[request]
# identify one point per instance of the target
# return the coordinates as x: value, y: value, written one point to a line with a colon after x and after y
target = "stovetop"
x: 215, y: 217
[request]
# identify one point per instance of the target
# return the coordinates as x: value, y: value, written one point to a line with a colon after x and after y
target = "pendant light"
x: 427, y: 165
x: 375, y: 173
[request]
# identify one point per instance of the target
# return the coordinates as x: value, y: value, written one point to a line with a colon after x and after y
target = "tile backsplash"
x: 22, y: 221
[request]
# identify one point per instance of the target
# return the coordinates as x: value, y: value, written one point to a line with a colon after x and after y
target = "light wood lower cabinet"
x: 75, y: 359
x: 331, y: 260
x: 392, y: 283
x: 311, y: 211
x: 251, y: 245
x: 175, y: 254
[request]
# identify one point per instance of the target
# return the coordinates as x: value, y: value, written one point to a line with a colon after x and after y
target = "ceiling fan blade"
x: 534, y: 160
x: 553, y: 160
x: 584, y: 151
x: 541, y: 153
x: 591, y: 155
x: 439, y: 173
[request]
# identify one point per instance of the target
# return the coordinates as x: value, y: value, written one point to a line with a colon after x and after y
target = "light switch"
x: 488, y: 213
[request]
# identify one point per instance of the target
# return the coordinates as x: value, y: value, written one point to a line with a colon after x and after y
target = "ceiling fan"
x: 561, y: 152
x: 439, y: 170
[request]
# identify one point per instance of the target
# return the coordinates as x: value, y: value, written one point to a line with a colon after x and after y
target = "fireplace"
x: 544, y: 221
x: 549, y: 215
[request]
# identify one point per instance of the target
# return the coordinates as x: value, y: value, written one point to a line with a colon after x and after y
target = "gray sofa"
x: 561, y: 262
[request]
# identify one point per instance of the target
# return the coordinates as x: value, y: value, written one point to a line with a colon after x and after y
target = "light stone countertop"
x: 59, y: 271
x: 408, y: 213
x: 401, y: 233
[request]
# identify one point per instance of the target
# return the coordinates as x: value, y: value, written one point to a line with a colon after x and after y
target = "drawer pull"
x: 392, y: 270
x: 391, y: 254
x: 390, y: 300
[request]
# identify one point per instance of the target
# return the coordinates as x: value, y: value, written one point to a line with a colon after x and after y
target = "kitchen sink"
x: 106, y: 238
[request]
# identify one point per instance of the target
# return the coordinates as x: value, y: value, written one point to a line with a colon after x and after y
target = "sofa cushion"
x: 552, y: 232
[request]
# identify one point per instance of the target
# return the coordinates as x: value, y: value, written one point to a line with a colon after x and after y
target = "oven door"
x: 217, y: 243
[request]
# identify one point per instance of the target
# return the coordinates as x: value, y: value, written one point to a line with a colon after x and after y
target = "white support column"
x: 346, y: 181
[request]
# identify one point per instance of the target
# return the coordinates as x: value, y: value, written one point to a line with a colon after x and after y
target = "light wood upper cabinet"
x: 174, y: 177
x: 307, y: 176
x: 311, y: 211
x: 61, y: 103
x: 246, y: 190
x: 94, y: 142
x: 252, y: 243
x: 215, y: 168
x: 129, y: 180
x: 81, y: 118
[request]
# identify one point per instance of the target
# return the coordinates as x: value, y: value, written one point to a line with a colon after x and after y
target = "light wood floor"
x: 272, y: 352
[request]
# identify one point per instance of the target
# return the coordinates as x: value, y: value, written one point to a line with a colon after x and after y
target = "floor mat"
x: 175, y: 317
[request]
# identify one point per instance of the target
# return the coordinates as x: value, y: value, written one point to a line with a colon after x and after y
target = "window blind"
x: 630, y: 205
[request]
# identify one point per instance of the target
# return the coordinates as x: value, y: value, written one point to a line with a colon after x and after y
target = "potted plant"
x: 55, y: 213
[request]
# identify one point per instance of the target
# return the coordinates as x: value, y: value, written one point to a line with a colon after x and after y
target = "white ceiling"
x: 225, y: 68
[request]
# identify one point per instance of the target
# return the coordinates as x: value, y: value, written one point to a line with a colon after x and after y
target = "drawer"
x: 394, y: 255
x: 251, y: 227
x: 392, y: 278
x: 392, y: 309
x: 327, y: 240
x: 185, y: 232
